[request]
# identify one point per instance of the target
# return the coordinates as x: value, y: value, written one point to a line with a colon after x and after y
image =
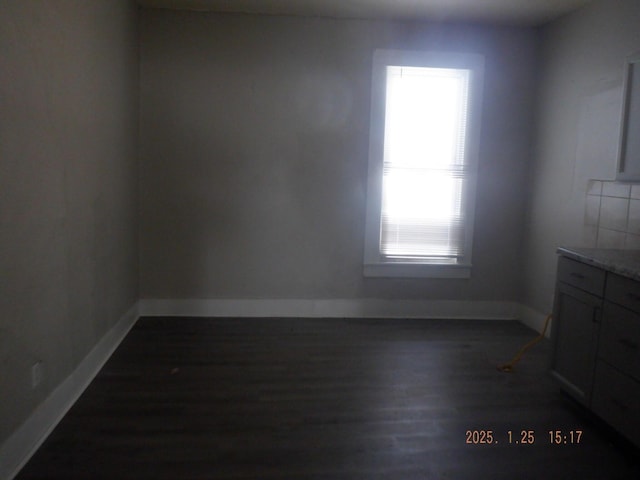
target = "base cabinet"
x: 596, y: 335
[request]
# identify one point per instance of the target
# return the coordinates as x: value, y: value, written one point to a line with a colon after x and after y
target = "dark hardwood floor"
x: 186, y: 398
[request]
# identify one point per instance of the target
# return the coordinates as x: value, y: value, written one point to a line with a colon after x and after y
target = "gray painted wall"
x: 254, y: 146
x: 578, y: 124
x: 68, y: 173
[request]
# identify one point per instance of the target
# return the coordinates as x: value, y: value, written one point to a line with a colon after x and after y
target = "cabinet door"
x: 615, y: 399
x: 619, y: 342
x: 576, y: 318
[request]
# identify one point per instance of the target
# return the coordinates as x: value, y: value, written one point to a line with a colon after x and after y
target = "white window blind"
x: 422, y: 214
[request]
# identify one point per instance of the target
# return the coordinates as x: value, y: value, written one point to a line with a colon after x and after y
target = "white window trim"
x: 376, y: 265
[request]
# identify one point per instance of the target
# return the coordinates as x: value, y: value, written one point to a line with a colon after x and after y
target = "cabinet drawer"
x: 581, y: 275
x: 623, y: 291
x: 620, y: 339
x: 615, y: 399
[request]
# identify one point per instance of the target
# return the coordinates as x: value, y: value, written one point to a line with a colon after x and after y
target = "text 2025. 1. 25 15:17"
x: 523, y: 437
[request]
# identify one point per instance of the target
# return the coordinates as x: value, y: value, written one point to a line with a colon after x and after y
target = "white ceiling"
x: 520, y: 12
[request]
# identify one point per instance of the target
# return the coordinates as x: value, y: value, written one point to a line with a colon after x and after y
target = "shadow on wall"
x: 246, y: 191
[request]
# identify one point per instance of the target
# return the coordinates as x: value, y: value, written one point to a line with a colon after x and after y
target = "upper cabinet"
x: 629, y: 149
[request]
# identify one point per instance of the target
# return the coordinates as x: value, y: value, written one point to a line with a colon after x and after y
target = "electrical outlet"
x: 36, y: 374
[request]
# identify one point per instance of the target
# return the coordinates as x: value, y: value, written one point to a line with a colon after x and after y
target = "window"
x: 422, y: 164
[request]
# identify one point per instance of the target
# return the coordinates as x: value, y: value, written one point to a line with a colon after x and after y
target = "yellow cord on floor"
x: 508, y: 367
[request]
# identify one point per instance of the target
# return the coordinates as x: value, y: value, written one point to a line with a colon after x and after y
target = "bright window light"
x: 424, y: 163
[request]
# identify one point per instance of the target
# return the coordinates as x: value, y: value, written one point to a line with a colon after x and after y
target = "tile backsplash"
x: 612, y: 215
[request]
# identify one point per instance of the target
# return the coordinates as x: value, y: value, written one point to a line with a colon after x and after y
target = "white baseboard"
x: 16, y: 451
x: 534, y: 319
x: 332, y: 308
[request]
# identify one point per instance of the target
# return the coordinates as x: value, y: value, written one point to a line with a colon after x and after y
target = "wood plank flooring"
x: 193, y: 398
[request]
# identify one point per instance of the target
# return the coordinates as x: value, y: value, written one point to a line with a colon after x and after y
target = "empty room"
x: 319, y: 239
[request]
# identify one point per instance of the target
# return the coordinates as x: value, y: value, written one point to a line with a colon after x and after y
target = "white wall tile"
x: 613, y: 213
x: 610, y: 238
x: 633, y: 222
x: 632, y: 242
x: 590, y: 236
x: 594, y: 187
x: 592, y: 210
x: 613, y: 189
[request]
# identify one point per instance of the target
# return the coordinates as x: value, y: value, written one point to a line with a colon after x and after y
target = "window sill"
x: 417, y: 270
